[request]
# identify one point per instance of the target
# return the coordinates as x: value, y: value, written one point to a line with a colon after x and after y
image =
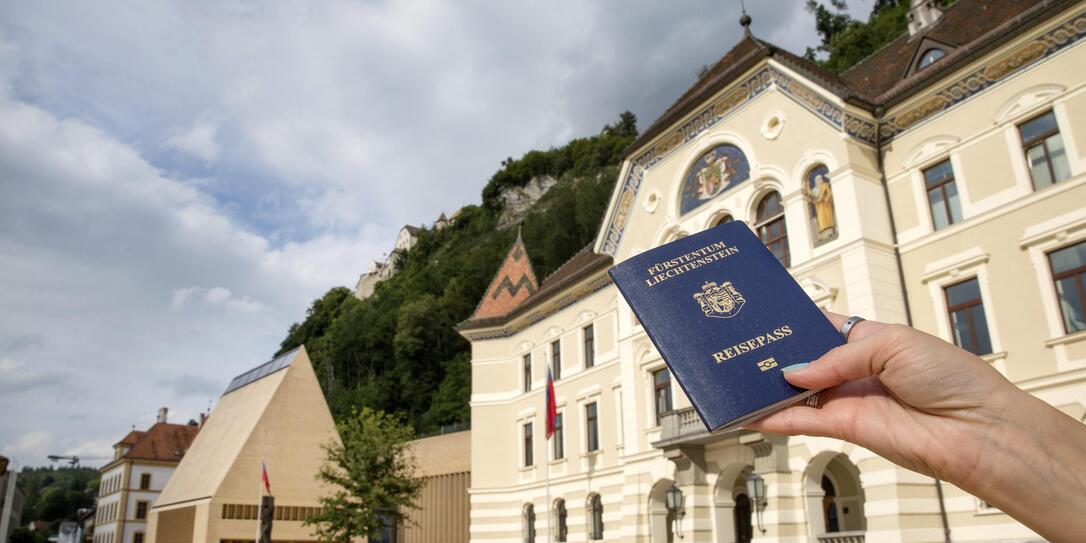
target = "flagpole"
x: 546, y: 447
x: 259, y: 499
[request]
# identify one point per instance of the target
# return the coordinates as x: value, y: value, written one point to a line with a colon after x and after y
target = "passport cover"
x: 726, y: 316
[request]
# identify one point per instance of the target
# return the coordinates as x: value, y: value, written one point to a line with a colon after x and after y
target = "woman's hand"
x: 934, y: 408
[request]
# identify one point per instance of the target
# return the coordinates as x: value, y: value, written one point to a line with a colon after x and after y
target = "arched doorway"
x: 733, y: 509
x: 744, y: 529
x: 833, y: 495
x: 666, y: 509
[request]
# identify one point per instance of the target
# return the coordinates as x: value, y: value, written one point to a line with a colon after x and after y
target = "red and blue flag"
x: 552, y: 409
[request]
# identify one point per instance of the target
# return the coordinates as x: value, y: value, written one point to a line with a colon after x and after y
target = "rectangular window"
x: 137, y: 537
x: 559, y: 438
x: 589, y: 346
x: 556, y: 359
x: 967, y: 321
x: 1045, y: 155
x: 145, y: 481
x: 141, y: 510
x: 661, y: 385
x: 527, y: 371
x: 529, y: 460
x: 1069, y: 273
x: 942, y: 195
x: 592, y: 427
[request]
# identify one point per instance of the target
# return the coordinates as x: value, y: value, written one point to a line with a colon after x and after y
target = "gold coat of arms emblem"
x: 719, y: 301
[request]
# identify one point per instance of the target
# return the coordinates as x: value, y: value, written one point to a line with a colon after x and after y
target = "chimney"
x: 162, y: 414
x: 922, y: 15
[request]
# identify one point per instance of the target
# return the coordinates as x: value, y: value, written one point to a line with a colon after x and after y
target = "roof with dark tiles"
x: 580, y: 265
x: 163, y: 442
x: 968, y: 26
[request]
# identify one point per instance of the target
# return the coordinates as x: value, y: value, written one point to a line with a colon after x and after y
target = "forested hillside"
x: 398, y: 350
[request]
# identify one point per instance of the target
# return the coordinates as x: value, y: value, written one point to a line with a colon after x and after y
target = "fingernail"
x: 794, y: 367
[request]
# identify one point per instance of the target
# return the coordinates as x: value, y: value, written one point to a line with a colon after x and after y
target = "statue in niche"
x: 819, y: 195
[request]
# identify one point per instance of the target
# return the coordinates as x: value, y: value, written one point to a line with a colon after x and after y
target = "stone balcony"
x: 681, y: 426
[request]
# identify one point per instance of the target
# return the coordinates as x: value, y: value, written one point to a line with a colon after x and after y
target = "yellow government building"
x: 941, y: 182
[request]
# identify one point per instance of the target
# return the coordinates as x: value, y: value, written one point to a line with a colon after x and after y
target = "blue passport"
x: 726, y: 316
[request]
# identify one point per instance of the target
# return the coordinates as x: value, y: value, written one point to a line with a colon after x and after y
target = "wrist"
x: 1032, y: 465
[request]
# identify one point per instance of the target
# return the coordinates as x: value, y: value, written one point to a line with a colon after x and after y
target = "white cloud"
x: 198, y: 141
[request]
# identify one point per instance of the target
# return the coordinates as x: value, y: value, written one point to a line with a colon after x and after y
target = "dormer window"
x: 929, y: 57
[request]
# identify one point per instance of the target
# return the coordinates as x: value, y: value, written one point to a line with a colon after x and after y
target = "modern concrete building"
x: 142, y: 463
x: 274, y: 414
x: 11, y: 501
x: 940, y: 182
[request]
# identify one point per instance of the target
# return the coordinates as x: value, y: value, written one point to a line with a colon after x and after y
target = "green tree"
x: 846, y: 41
x: 371, y: 476
x: 23, y: 535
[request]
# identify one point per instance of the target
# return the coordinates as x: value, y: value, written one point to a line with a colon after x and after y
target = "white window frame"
x: 1038, y: 241
x: 942, y: 273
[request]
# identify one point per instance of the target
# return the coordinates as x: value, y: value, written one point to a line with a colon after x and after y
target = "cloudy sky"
x: 178, y: 180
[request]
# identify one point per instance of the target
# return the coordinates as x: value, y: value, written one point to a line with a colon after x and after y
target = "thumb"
x: 852, y: 361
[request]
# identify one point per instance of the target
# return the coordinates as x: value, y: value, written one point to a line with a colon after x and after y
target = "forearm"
x: 1034, y: 469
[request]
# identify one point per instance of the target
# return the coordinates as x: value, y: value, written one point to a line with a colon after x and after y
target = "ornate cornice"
x: 980, y: 79
x: 857, y: 127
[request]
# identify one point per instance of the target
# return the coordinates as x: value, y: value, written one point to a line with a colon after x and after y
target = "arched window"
x: 771, y: 228
x: 529, y: 523
x: 560, y: 512
x: 595, y: 508
x: 721, y: 220
x: 929, y: 57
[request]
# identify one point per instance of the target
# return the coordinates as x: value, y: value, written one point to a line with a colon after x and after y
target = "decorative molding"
x: 982, y: 78
x: 819, y: 292
x: 1026, y: 100
x: 928, y: 149
x: 773, y: 125
x: 766, y: 78
x: 952, y: 265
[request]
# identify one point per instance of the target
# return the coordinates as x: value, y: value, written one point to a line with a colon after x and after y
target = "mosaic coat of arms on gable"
x: 716, y: 170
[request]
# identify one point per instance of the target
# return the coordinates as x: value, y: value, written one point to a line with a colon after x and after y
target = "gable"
x: 255, y: 419
x: 514, y: 283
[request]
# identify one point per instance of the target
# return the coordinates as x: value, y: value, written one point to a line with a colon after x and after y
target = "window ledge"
x: 525, y: 469
x: 992, y: 358
x: 1067, y: 339
x: 590, y: 454
x: 560, y: 461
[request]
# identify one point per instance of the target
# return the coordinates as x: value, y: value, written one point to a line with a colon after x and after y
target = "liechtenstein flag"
x: 264, y: 477
x: 552, y: 409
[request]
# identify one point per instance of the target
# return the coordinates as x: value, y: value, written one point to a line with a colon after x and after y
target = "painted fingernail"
x: 794, y: 367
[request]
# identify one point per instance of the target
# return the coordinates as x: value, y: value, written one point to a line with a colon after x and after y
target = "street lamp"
x: 756, y: 490
x: 675, y: 501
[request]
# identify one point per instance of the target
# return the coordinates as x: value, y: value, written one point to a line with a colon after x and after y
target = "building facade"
x: 11, y: 500
x: 273, y: 415
x: 940, y: 183
x: 142, y: 463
